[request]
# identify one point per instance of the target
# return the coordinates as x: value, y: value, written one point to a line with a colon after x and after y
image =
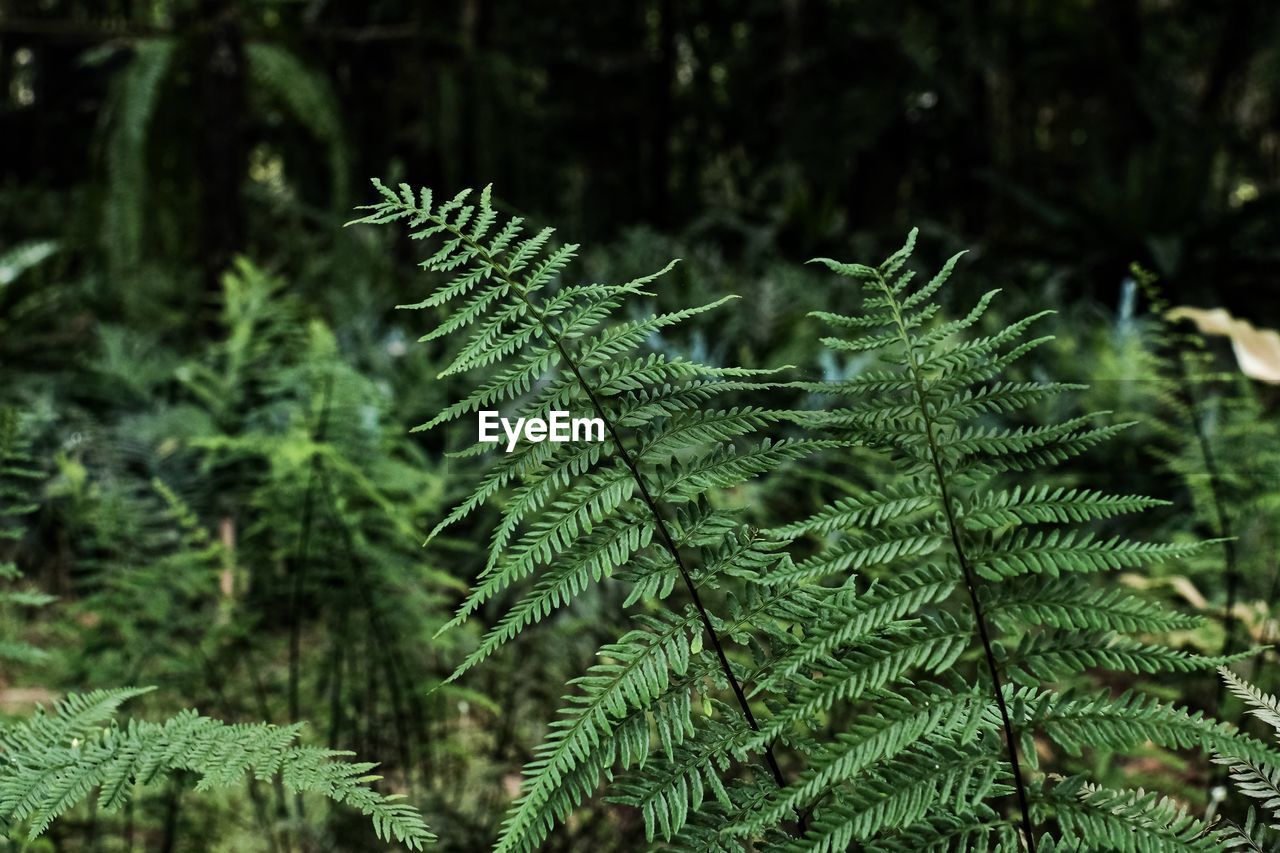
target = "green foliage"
x: 1196, y: 418
x: 217, y: 489
x: 168, y: 601
x: 29, y: 313
x: 1214, y: 439
x: 137, y: 92
x: 1257, y: 778
x: 310, y: 102
x: 986, y: 570
x: 910, y: 664
x: 17, y: 260
x: 1094, y: 818
x: 54, y: 760
x: 580, y: 513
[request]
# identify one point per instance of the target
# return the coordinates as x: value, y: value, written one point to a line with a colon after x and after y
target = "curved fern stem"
x: 1186, y: 385
x: 664, y: 534
x: 1224, y: 532
x: 1177, y: 357
x: 970, y: 580
x: 299, y: 568
x: 661, y: 526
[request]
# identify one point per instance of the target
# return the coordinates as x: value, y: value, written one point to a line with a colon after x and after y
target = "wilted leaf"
x: 1257, y: 350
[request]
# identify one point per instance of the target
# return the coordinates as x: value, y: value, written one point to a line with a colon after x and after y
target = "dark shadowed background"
x: 1076, y: 136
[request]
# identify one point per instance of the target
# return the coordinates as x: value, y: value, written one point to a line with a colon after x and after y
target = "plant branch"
x: 1224, y: 531
x: 304, y: 541
x: 664, y: 533
x: 970, y: 580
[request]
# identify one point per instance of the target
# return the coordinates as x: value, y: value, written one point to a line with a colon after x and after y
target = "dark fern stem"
x: 406, y: 707
x: 970, y: 580
x: 301, y: 555
x: 1222, y: 520
x: 664, y: 533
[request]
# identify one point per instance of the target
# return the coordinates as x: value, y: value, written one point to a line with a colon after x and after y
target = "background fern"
x: 50, y: 763
x: 19, y: 481
x: 1257, y: 780
x: 53, y: 761
x: 962, y: 572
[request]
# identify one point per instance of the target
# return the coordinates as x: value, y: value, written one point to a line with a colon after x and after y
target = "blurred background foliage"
x: 217, y: 389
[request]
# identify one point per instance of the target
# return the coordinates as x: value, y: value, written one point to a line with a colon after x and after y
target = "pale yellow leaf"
x: 1257, y: 350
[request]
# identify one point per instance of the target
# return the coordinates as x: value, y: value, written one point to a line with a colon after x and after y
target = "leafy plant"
x: 19, y: 479
x: 51, y: 762
x: 631, y: 504
x: 1258, y: 780
x: 972, y: 600
x: 1194, y: 409
x: 908, y: 667
x: 1216, y: 440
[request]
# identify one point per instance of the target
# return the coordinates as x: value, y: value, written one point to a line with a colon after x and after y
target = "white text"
x: 559, y: 427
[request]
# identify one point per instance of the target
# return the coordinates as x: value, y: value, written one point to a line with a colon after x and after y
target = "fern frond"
x: 1015, y: 557
x: 1051, y: 656
x: 932, y: 645
x: 1063, y: 603
x: 605, y: 723
x: 55, y: 760
x: 577, y: 516
x: 1256, y: 780
x: 864, y: 552
x: 901, y: 719
x: 978, y: 829
x: 1261, y: 705
x: 20, y: 478
x: 1131, y: 719
x: 850, y: 618
x: 1047, y: 505
x: 674, y: 784
x: 1056, y: 552
x: 1097, y: 818
x: 904, y: 791
x: 870, y: 510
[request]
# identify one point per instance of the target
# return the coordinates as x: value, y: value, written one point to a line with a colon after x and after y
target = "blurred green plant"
x: 51, y: 762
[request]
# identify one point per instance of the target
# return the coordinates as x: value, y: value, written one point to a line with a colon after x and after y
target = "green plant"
x: 1258, y: 780
x: 30, y: 308
x: 1194, y: 412
x: 966, y: 569
x: 51, y: 762
x: 1214, y: 436
x: 908, y: 668
x: 19, y: 479
x: 581, y: 512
